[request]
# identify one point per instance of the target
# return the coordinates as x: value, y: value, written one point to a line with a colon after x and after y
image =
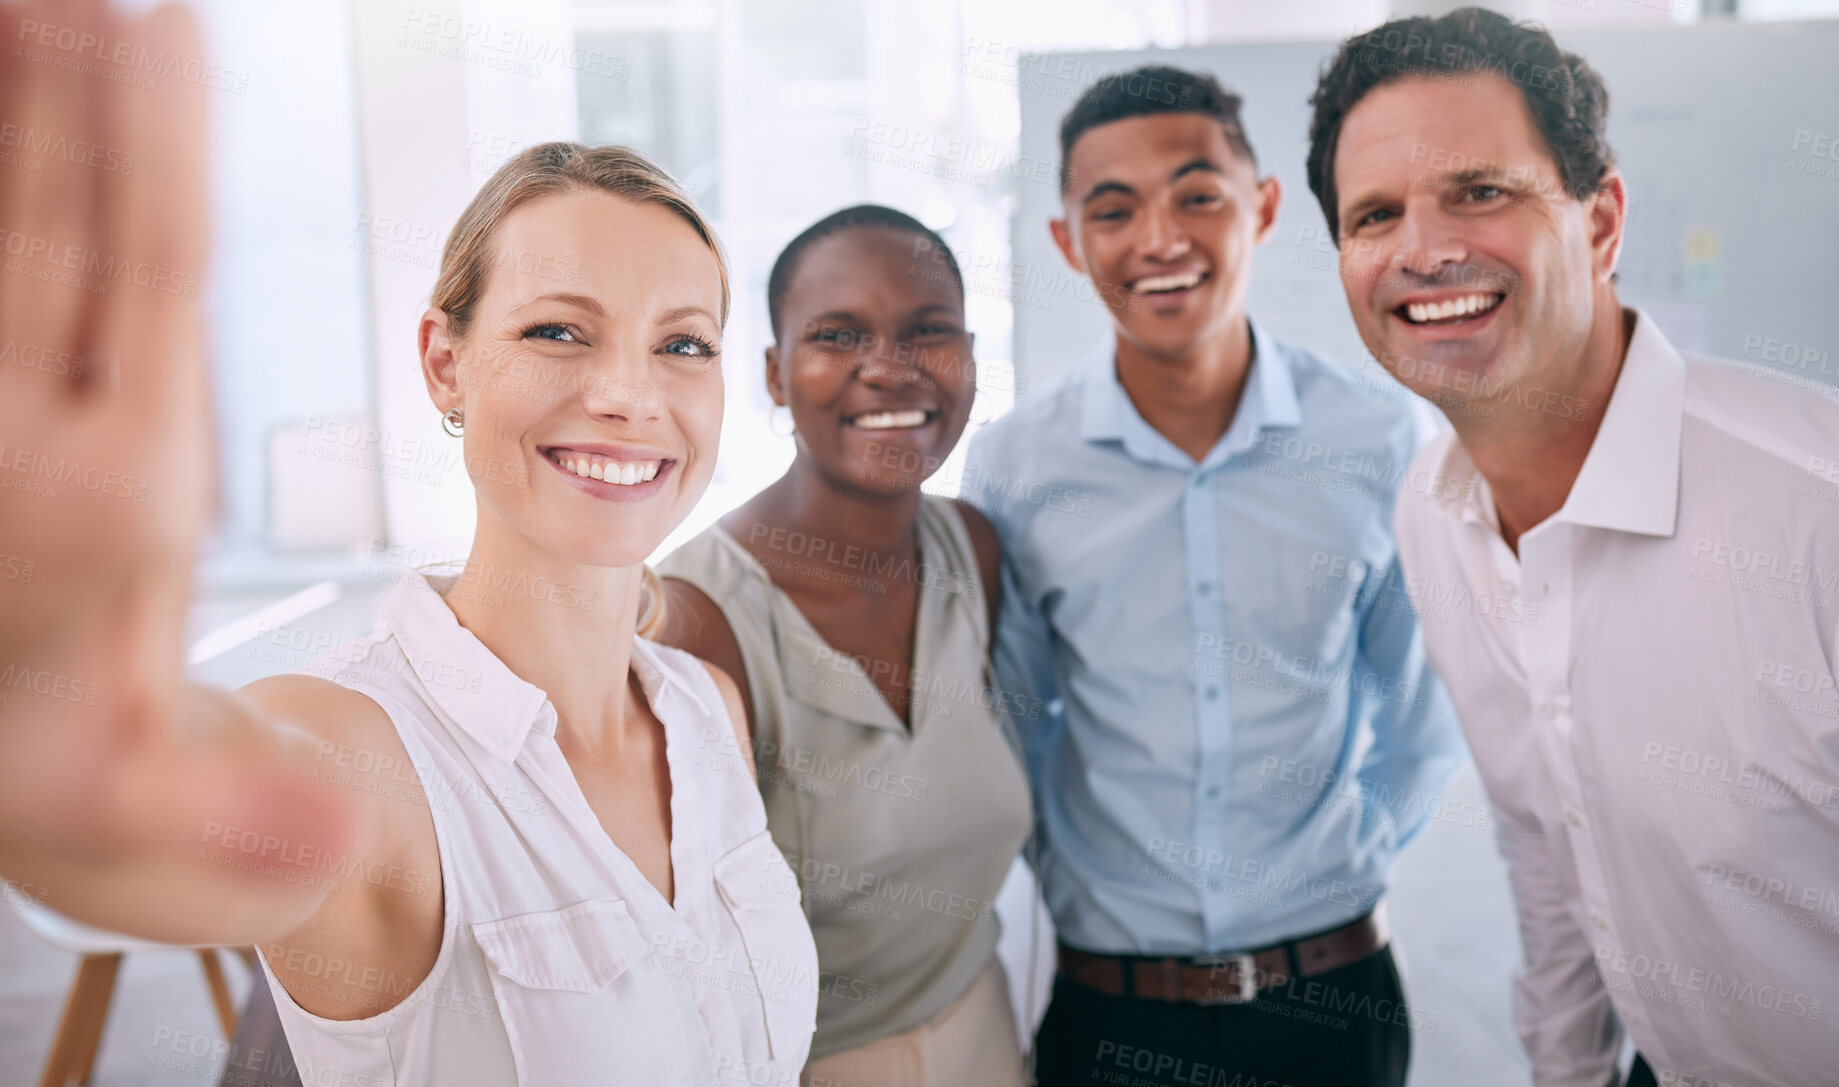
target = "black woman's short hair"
x: 851, y: 218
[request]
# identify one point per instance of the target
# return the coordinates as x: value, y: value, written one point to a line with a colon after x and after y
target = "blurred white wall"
x: 286, y: 291
x: 446, y: 90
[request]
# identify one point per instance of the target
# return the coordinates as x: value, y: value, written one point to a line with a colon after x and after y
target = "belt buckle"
x: 1248, y: 978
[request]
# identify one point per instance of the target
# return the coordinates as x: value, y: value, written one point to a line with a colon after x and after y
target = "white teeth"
x: 1422, y: 312
x: 1151, y: 284
x: 606, y: 470
x: 891, y: 420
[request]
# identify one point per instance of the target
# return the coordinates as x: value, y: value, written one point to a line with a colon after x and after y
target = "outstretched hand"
x: 112, y: 771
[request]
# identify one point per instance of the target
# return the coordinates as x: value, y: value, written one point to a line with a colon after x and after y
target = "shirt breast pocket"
x: 1302, y: 606
x: 761, y: 894
x: 579, y: 1004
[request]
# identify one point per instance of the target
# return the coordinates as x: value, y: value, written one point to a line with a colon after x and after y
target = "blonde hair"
x: 651, y: 604
x: 470, y: 252
x: 467, y: 258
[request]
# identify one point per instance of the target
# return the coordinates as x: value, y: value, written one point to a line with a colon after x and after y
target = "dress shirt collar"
x: 1269, y: 400
x: 1630, y: 478
x: 499, y: 711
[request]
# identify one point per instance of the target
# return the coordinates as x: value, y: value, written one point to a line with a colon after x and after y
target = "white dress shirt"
x: 1648, y: 691
x: 560, y: 963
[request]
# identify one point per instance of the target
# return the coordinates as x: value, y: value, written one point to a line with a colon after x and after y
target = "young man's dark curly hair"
x: 1146, y: 92
x: 1564, y: 94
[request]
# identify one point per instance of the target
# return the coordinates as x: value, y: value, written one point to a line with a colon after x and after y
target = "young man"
x: 1653, y: 713
x: 1242, y: 731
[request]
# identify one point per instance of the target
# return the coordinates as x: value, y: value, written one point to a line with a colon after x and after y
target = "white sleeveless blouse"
x: 559, y: 962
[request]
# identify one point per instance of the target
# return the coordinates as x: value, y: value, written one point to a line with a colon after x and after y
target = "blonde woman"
x: 550, y: 882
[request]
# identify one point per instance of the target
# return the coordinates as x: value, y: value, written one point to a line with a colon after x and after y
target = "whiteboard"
x: 1727, y: 133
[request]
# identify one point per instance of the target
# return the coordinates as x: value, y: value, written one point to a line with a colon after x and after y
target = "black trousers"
x: 1639, y: 1074
x: 1346, y: 1028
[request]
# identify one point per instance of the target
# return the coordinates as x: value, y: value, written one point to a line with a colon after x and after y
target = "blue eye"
x: 1477, y: 191
x: 556, y: 333
x: 691, y: 345
x: 1373, y: 216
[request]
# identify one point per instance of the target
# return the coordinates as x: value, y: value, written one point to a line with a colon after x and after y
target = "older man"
x: 1653, y: 713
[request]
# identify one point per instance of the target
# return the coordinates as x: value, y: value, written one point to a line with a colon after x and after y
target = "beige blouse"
x: 900, y: 838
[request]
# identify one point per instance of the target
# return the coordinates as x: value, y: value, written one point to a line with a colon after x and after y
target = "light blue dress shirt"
x: 1217, y: 677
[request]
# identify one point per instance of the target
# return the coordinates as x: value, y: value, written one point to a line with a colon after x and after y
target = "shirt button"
x: 1571, y: 817
x: 1213, y: 693
x: 1203, y: 588
x: 1596, y: 918
x: 1548, y: 588
x: 1213, y: 792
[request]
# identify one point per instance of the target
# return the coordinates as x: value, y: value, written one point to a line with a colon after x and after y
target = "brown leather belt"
x: 1234, y: 978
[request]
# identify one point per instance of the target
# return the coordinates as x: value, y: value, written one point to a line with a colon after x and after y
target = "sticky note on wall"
x: 1702, y: 271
